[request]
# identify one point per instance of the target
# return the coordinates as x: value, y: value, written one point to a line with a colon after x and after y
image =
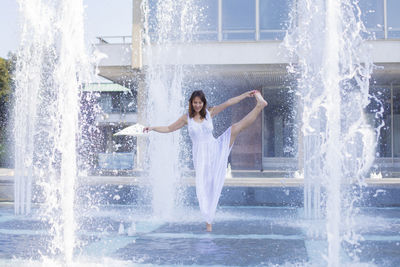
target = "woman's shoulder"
x: 184, y: 117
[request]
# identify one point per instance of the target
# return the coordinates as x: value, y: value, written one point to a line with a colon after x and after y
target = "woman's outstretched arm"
x: 232, y: 101
x: 182, y: 121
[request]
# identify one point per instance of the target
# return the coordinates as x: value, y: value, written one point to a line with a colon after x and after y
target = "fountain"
x: 166, y: 24
x: 334, y: 68
x: 51, y: 66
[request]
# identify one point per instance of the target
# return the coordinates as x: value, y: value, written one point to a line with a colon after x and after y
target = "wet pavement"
x: 242, y: 236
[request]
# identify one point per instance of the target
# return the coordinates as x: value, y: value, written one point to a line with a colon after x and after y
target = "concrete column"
x: 137, y: 63
x: 137, y: 35
x: 300, y: 136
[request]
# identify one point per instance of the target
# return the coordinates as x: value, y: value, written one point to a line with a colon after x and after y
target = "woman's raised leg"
x: 249, y: 118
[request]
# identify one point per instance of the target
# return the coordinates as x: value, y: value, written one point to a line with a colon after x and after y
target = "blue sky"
x: 102, y: 18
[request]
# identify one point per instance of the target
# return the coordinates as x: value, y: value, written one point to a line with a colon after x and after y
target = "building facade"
x: 106, y: 109
x: 239, y: 45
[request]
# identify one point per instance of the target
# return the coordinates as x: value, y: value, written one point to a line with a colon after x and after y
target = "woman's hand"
x: 234, y: 100
x: 147, y: 129
x: 251, y: 93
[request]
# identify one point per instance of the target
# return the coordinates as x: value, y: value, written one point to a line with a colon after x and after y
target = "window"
x: 238, y: 19
x: 164, y: 21
x: 274, y: 18
x: 279, y: 124
x: 152, y: 19
x: 117, y: 152
x: 372, y: 16
x: 393, y: 18
x: 208, y: 21
x: 106, y: 102
x: 127, y: 102
x: 118, y: 102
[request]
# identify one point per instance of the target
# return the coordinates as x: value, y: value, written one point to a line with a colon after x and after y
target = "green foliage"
x: 6, y: 88
x: 5, y: 80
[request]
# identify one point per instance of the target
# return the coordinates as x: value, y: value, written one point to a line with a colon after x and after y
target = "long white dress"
x: 210, y: 158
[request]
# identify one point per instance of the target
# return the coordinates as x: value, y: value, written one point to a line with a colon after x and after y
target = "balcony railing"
x: 115, y: 39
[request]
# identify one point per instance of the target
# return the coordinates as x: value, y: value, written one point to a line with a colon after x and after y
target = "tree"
x: 6, y: 67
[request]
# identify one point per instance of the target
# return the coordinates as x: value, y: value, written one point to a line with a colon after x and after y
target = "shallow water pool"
x: 242, y: 236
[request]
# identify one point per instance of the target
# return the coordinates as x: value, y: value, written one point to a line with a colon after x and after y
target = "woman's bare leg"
x: 209, y: 227
x: 249, y: 118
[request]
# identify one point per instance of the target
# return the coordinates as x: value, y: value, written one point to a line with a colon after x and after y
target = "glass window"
x: 106, y: 102
x: 123, y: 102
x: 372, y: 17
x: 152, y: 19
x: 274, y: 16
x: 128, y: 102
x: 393, y: 18
x: 118, y: 151
x: 279, y: 124
x: 162, y: 24
x: 116, y: 102
x: 159, y: 20
x: 396, y: 122
x: 238, y: 19
x: 208, y: 17
x: 379, y: 115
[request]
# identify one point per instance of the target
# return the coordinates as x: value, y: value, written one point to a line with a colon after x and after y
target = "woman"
x: 210, y: 155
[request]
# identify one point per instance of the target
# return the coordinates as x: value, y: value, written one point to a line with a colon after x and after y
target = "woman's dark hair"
x: 200, y: 94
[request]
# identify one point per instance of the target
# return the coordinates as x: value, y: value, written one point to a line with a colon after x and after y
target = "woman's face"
x: 197, y: 104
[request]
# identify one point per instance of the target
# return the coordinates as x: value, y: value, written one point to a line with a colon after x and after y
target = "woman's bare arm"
x: 182, y: 121
x: 232, y: 101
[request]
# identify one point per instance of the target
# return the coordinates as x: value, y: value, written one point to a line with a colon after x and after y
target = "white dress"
x: 210, y: 158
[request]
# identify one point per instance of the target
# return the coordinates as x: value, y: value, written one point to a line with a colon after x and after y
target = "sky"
x: 102, y: 18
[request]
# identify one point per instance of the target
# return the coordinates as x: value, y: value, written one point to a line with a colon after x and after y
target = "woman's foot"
x: 209, y: 227
x: 260, y: 100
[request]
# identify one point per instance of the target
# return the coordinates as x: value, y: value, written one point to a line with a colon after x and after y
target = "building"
x: 107, y: 108
x: 239, y: 44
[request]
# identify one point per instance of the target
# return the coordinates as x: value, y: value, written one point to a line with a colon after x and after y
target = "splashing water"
x: 172, y: 23
x: 333, y: 68
x: 51, y: 64
x: 333, y: 71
